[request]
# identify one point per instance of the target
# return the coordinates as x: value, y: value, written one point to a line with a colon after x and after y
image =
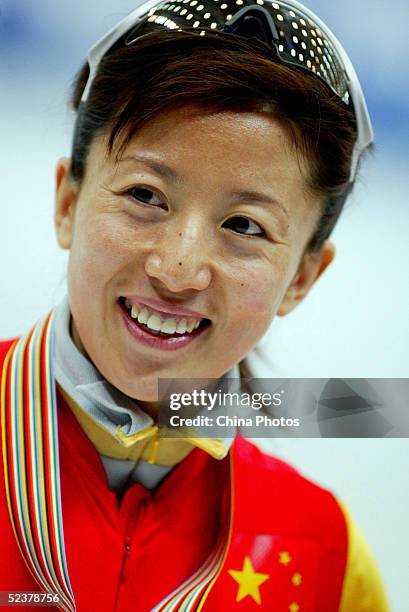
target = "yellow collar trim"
x: 147, y: 445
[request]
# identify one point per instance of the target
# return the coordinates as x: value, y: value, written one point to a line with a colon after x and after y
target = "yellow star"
x: 285, y: 557
x: 296, y: 579
x: 249, y: 581
x: 294, y: 607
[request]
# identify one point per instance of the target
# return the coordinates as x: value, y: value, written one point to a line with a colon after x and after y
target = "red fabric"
x: 276, y: 510
x: 4, y: 347
x: 129, y: 556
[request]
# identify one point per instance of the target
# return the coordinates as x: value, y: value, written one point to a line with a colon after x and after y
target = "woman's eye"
x: 245, y: 226
x: 147, y: 196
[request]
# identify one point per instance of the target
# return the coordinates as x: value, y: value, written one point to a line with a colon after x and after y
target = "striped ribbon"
x: 190, y: 593
x: 31, y: 463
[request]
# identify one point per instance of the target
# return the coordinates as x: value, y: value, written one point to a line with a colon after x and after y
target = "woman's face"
x: 203, y: 218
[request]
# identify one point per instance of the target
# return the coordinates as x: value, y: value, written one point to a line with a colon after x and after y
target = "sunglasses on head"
x: 295, y: 34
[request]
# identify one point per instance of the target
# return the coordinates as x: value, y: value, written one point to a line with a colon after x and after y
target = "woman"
x: 214, y: 147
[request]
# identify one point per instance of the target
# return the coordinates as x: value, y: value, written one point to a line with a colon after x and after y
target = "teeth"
x: 134, y: 311
x: 191, y: 326
x: 143, y: 316
x: 181, y: 327
x: 168, y: 326
x: 154, y: 322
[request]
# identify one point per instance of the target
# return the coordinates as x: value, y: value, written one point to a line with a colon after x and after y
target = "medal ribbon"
x: 31, y: 463
x: 188, y: 595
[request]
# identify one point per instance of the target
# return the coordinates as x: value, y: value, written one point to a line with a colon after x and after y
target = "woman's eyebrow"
x: 260, y: 198
x: 157, y: 166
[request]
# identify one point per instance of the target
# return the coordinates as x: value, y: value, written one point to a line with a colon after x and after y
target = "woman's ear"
x: 65, y: 200
x: 310, y: 269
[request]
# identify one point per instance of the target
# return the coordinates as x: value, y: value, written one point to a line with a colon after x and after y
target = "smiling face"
x: 204, y: 216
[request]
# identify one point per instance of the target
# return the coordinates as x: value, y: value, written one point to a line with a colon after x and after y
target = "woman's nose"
x: 181, y: 262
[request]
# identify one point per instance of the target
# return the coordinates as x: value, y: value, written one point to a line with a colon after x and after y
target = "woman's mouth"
x: 160, y: 330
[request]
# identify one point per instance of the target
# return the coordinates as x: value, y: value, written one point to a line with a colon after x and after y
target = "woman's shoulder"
x: 284, y: 497
x: 304, y: 505
x: 262, y: 465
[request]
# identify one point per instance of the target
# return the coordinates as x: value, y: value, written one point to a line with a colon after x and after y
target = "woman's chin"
x: 146, y: 389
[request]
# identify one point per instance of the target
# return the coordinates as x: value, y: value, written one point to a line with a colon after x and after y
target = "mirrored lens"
x: 300, y: 41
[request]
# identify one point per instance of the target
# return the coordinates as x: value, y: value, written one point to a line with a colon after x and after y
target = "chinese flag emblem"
x: 269, y: 571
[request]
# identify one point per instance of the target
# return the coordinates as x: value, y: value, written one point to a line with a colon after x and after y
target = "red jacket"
x: 287, y: 538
